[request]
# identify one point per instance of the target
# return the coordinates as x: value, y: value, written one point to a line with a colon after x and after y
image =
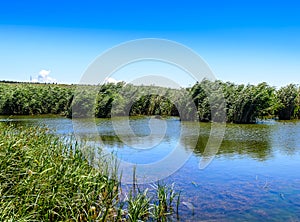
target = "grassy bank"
x: 43, y: 179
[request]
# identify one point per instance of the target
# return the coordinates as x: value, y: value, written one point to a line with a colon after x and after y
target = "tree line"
x: 204, y: 101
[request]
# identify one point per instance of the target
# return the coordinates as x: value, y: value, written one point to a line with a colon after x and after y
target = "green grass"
x: 44, y: 179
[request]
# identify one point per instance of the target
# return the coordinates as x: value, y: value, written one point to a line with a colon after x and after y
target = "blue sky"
x: 242, y: 41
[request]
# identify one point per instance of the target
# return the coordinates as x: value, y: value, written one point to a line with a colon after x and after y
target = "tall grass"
x: 44, y: 179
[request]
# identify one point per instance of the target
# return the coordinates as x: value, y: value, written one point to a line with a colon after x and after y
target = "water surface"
x: 255, y: 175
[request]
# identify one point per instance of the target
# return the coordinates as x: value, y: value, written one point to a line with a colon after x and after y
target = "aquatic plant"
x: 164, y: 205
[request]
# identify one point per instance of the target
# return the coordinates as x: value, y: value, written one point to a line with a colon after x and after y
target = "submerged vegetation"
x: 43, y: 179
x: 204, y: 101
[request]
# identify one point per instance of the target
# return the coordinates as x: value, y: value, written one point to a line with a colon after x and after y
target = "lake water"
x: 254, y: 176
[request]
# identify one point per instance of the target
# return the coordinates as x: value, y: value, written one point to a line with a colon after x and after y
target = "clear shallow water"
x: 255, y: 175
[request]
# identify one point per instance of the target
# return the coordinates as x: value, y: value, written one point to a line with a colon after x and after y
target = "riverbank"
x: 45, y: 179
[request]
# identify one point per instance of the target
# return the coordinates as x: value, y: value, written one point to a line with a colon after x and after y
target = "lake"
x: 254, y: 176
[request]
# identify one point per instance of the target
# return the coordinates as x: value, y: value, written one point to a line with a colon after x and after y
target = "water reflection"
x: 253, y: 176
x: 259, y: 142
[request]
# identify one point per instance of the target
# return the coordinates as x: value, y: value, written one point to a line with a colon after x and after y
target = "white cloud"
x: 44, y: 72
x: 43, y: 77
x: 110, y: 80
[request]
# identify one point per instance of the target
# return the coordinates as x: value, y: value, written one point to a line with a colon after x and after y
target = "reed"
x: 164, y: 203
x: 43, y: 178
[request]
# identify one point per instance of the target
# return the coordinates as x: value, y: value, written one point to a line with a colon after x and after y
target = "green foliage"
x: 297, y: 105
x: 244, y: 104
x: 107, y: 94
x: 45, y: 179
x: 83, y: 102
x: 253, y: 102
x: 157, y: 205
x: 287, y: 101
x: 209, y: 100
x: 25, y: 99
x: 205, y: 101
x: 165, y: 205
x: 138, y: 206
